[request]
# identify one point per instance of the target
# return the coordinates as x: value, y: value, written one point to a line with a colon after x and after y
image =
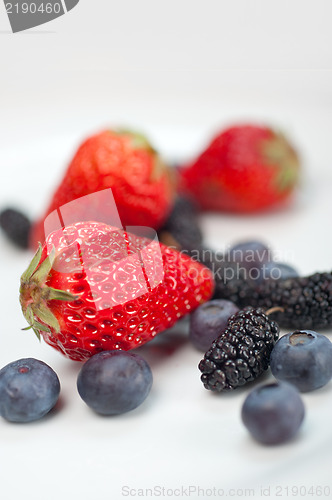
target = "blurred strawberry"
x: 246, y: 168
x: 124, y: 161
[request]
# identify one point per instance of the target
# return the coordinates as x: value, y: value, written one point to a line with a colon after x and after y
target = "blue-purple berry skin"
x: 114, y: 382
x: 304, y: 359
x: 29, y: 389
x: 279, y: 270
x: 16, y: 226
x: 251, y: 256
x: 273, y: 413
x: 209, y: 321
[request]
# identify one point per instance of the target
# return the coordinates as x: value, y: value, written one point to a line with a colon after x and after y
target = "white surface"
x: 178, y: 71
x: 178, y: 35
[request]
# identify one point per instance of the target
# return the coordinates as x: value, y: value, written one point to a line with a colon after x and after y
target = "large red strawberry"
x: 246, y: 168
x: 124, y: 161
x: 93, y: 287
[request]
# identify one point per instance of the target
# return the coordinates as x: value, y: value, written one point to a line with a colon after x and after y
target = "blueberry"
x: 278, y: 270
x: 273, y: 413
x: 16, y: 226
x: 114, y: 382
x: 29, y: 389
x: 182, y: 226
x: 304, y: 359
x: 251, y: 256
x: 209, y: 321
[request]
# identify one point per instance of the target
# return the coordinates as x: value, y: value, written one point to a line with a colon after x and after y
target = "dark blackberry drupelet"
x: 232, y: 283
x: 231, y: 280
x: 182, y: 229
x: 241, y: 353
x: 16, y: 226
x: 306, y: 302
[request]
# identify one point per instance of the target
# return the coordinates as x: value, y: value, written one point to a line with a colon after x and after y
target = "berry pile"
x: 300, y: 361
x: 97, y: 288
x: 303, y: 302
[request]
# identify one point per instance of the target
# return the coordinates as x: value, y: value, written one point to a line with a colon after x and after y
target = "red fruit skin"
x: 246, y: 168
x: 142, y: 186
x: 102, y: 267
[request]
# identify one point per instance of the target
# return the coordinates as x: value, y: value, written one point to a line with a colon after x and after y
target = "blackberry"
x: 303, y: 302
x: 306, y: 302
x: 241, y: 353
x: 181, y: 229
x: 231, y: 279
x: 16, y: 226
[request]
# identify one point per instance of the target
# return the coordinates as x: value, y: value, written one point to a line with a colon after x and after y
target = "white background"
x: 179, y: 71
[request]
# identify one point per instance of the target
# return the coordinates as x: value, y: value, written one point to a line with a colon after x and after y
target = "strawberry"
x: 124, y: 161
x: 93, y: 287
x: 246, y: 168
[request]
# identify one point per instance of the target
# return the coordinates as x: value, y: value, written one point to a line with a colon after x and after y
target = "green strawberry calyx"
x: 139, y: 141
x: 35, y: 294
x: 278, y: 151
